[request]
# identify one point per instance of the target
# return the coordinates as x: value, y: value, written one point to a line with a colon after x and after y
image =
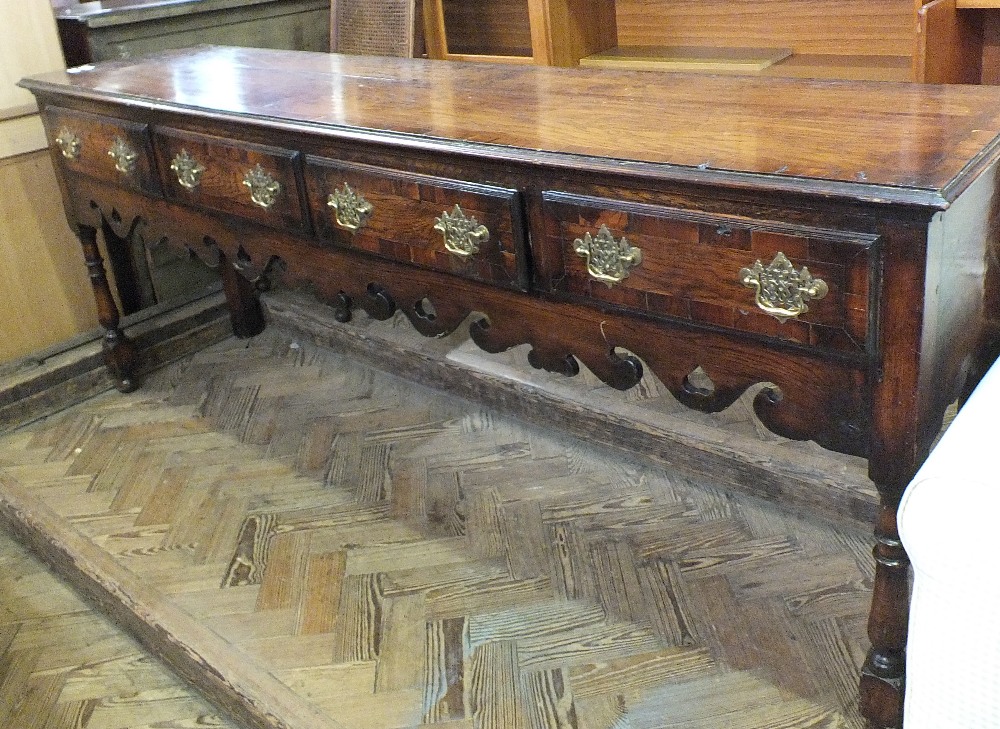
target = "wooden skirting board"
x: 55, y: 378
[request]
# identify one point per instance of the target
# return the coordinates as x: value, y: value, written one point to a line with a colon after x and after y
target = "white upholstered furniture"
x: 949, y: 522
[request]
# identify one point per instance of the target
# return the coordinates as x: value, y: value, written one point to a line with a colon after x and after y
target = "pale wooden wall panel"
x: 44, y: 292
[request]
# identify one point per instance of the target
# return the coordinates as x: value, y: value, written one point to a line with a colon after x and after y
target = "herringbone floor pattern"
x: 64, y: 666
x: 402, y: 559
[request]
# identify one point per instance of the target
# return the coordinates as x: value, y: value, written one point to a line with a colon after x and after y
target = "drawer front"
x: 248, y: 180
x: 815, y: 285
x: 102, y: 147
x: 462, y: 228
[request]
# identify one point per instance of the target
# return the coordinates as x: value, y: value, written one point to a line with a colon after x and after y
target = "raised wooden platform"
x: 317, y: 544
x: 64, y: 665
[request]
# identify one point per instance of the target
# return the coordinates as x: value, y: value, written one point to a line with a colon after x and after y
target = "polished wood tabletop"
x: 904, y: 142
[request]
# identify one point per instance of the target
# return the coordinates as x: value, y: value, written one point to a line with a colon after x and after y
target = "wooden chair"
x: 546, y: 32
x: 374, y: 27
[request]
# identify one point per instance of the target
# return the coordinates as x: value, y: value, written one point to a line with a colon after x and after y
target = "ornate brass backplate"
x: 187, y: 169
x: 69, y: 144
x: 264, y: 189
x: 462, y: 233
x: 608, y: 260
x: 352, y: 210
x: 123, y: 155
x: 782, y: 291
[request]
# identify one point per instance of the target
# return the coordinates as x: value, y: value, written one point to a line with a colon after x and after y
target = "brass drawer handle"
x: 608, y: 260
x: 352, y: 210
x: 187, y: 169
x: 781, y: 291
x: 264, y: 189
x: 69, y: 144
x: 462, y: 233
x: 123, y: 155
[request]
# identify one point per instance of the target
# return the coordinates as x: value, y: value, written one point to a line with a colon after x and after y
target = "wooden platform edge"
x: 753, y: 469
x: 225, y: 676
x: 51, y: 380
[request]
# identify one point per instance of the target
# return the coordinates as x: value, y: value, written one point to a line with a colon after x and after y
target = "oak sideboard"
x: 834, y: 240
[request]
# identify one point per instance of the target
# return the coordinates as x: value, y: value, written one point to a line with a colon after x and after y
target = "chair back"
x: 372, y: 27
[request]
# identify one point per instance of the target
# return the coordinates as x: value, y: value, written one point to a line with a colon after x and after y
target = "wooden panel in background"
x: 991, y: 48
x: 949, y: 45
x: 552, y: 32
x: 45, y: 295
x: 564, y: 31
x: 28, y: 44
x: 483, y: 27
x: 855, y: 27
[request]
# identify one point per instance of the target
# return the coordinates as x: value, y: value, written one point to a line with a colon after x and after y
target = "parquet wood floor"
x: 389, y: 556
x: 63, y: 665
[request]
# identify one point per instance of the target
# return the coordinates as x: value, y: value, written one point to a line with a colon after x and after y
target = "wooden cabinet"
x: 832, y: 245
x: 547, y: 32
x: 105, y: 29
x: 935, y: 41
x: 109, y: 29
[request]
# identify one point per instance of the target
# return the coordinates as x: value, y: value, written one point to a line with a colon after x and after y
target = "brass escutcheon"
x: 69, y: 144
x: 608, y: 260
x: 781, y: 291
x: 352, y: 210
x: 123, y: 155
x: 462, y: 233
x: 264, y: 189
x: 187, y: 169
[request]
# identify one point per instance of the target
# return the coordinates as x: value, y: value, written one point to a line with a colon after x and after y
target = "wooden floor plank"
x: 368, y: 553
x: 73, y: 663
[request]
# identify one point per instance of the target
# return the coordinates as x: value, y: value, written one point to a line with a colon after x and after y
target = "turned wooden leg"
x: 120, y: 354
x: 883, y: 675
x: 245, y: 313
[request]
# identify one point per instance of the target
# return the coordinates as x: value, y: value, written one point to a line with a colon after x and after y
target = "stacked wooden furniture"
x: 98, y: 30
x: 695, y: 224
x: 936, y: 41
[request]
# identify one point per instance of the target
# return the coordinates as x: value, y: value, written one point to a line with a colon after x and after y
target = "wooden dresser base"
x: 830, y: 245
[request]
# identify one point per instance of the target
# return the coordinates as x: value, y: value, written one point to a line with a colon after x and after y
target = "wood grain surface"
x: 63, y: 665
x: 395, y: 557
x: 844, y: 132
x: 838, y: 27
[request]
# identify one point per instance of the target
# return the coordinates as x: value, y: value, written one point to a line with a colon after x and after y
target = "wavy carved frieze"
x: 797, y: 400
x: 156, y: 231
